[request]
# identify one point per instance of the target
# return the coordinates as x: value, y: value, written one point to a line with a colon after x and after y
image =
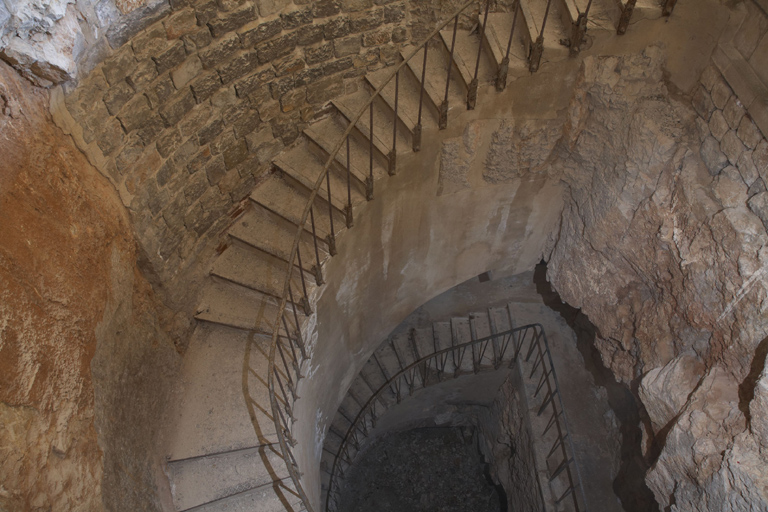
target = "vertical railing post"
x: 305, y: 299
x: 369, y: 179
x: 393, y: 153
x: 472, y: 90
x: 348, y: 207
x: 626, y: 15
x: 316, y: 268
x: 669, y: 6
x: 417, y: 128
x: 331, y: 238
x: 501, y: 76
x: 443, y: 121
x: 538, y: 47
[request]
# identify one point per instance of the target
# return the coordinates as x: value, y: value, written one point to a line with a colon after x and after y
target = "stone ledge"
x: 752, y: 92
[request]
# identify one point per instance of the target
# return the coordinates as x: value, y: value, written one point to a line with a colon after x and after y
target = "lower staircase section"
x: 215, y: 462
x: 460, y: 348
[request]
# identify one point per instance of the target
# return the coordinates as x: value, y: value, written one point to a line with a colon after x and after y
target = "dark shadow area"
x: 421, y: 470
x: 499, y: 488
x: 747, y: 387
x: 629, y: 484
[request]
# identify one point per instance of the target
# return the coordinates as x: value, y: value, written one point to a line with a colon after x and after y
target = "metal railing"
x: 288, y: 350
x: 494, y: 350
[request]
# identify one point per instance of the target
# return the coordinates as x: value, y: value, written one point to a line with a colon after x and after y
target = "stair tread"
x: 209, y: 417
x: 350, y: 106
x: 328, y: 132
x: 267, y: 231
x: 202, y: 480
x: 424, y: 341
x: 255, y: 269
x: 408, y: 103
x: 305, y: 167
x: 465, y: 56
x: 280, y: 496
x: 285, y: 199
x: 437, y: 66
x: 497, y: 35
x: 235, y: 305
x: 554, y: 30
x: 443, y: 334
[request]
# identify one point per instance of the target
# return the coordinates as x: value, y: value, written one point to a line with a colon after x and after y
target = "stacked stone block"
x: 185, y: 114
x: 731, y: 141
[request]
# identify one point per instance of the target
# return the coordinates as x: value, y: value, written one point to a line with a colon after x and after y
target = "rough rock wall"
x: 506, y: 444
x: 75, y: 316
x: 663, y: 245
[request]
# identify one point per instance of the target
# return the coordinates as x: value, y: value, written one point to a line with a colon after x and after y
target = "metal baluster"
x: 393, y: 154
x: 579, y: 30
x: 299, y: 339
x: 472, y: 91
x: 443, y: 122
x: 299, y: 376
x: 501, y: 77
x: 417, y: 128
x: 305, y: 299
x: 538, y: 46
x: 316, y: 268
x: 348, y: 208
x: 369, y: 179
x: 626, y: 15
x: 331, y: 238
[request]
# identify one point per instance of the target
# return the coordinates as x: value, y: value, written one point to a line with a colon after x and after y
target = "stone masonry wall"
x: 184, y: 116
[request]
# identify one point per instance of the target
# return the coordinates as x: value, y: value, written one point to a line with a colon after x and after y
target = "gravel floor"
x: 423, y: 470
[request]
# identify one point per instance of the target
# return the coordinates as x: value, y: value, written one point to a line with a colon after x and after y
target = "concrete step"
x: 202, y: 480
x: 403, y: 346
x: 226, y: 303
x: 349, y: 106
x: 480, y: 327
x: 423, y: 341
x: 408, y: 98
x: 462, y: 334
x: 465, y: 56
x: 209, y: 418
x: 497, y: 37
x: 326, y: 135
x: 287, y: 200
x: 554, y: 30
x: 644, y: 9
x: 264, y: 230
x: 305, y: 167
x: 254, y: 269
x: 438, y: 58
x: 280, y: 496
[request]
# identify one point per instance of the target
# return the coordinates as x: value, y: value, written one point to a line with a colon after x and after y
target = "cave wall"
x: 84, y: 364
x: 662, y: 244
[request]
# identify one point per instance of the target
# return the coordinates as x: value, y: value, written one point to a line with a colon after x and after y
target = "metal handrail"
x: 358, y: 426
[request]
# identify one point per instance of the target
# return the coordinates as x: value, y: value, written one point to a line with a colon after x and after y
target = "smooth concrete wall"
x: 407, y: 246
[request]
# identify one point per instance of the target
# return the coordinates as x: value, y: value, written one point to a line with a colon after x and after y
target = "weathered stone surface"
x: 336, y: 66
x: 733, y: 112
x: 399, y: 35
x: 169, y: 142
x: 171, y: 57
x: 376, y: 37
x: 198, y: 39
x: 360, y: 22
x: 321, y: 53
x: 665, y: 390
x: 297, y: 18
x: 150, y: 42
x: 702, y: 103
x: 732, y: 147
x: 276, y: 48
x: 117, y: 96
x: 135, y: 113
x: 337, y: 27
x: 180, y: 23
x: 160, y: 90
x: 325, y: 90
x: 309, y: 34
x: 119, y: 65
x: 721, y: 93
x: 718, y: 126
x: 235, y: 154
x: 259, y: 30
x: 759, y: 206
x: 143, y: 74
x: 220, y: 52
x: 325, y: 8
x: 205, y: 85
x: 227, y: 22
x: 242, y: 64
x: 749, y: 133
x: 714, y: 159
x: 132, y: 23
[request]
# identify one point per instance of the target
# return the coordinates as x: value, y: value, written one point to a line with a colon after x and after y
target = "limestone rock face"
x: 83, y: 362
x: 663, y: 246
x: 665, y: 390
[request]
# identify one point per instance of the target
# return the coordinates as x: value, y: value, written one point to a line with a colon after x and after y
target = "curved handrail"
x: 276, y: 412
x: 519, y: 335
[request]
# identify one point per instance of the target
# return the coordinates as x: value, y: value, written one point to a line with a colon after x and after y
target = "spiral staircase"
x: 222, y: 456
